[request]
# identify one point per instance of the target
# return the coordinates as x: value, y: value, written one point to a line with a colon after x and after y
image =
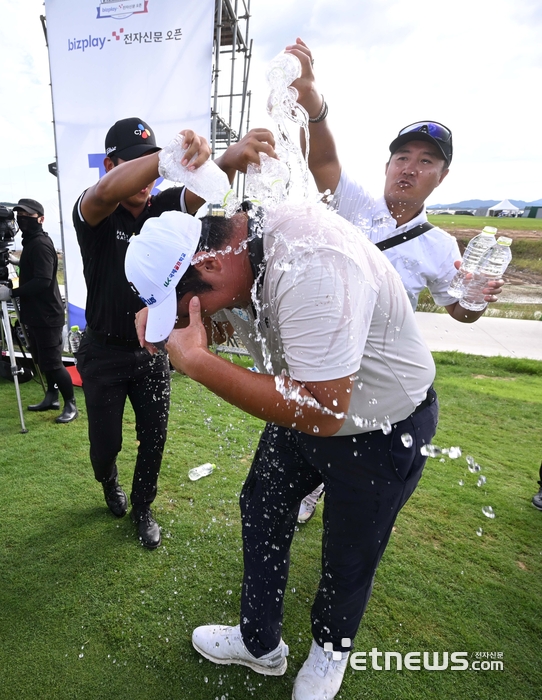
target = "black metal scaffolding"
x: 232, y: 49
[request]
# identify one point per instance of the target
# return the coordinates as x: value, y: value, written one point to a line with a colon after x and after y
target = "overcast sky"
x: 475, y: 65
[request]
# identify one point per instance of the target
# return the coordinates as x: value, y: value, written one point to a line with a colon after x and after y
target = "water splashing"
x: 406, y: 439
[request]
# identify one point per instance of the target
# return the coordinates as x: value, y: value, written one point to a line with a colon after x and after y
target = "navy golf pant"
x: 368, y: 478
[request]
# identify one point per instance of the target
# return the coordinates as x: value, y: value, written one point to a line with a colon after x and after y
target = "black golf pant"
x: 110, y: 375
x: 368, y: 477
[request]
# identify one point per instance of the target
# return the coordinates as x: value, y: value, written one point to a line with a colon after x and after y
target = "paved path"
x: 488, y: 336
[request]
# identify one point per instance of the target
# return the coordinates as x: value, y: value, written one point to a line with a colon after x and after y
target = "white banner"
x: 110, y: 60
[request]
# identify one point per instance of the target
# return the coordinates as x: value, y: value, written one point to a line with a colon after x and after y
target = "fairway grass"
x: 87, y: 613
x: 451, y: 222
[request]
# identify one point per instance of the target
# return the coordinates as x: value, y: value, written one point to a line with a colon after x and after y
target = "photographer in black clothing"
x: 41, y: 307
x: 110, y: 360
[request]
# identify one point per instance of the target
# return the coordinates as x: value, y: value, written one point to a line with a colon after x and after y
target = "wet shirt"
x: 425, y: 261
x: 332, y: 306
x: 111, y: 304
x: 40, y: 307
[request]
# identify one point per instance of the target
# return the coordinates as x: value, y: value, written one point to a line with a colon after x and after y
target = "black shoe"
x: 147, y: 527
x: 49, y: 403
x: 115, y: 498
x: 69, y: 412
x: 537, y: 500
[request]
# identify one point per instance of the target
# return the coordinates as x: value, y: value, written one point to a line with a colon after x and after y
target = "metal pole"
x: 66, y: 290
x: 14, y: 369
x: 216, y: 71
x: 25, y: 336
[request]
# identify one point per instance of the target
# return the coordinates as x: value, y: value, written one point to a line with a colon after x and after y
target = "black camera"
x: 8, y: 230
x: 8, y: 227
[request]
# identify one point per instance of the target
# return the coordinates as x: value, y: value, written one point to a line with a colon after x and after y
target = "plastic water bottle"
x: 208, y: 181
x: 203, y: 470
x: 282, y: 70
x: 74, y: 339
x: 267, y: 183
x: 492, y: 267
x: 471, y: 258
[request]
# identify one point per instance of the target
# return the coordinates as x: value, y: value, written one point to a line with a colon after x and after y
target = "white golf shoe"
x: 308, y: 505
x: 224, y: 645
x: 321, y: 675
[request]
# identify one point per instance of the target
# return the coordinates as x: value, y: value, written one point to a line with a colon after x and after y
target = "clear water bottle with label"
x: 203, y: 470
x: 74, y: 339
x: 492, y: 267
x: 476, y: 248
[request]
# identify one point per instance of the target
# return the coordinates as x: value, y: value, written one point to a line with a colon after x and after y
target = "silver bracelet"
x: 322, y: 115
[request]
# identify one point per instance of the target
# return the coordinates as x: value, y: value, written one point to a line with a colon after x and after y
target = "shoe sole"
x: 150, y: 546
x: 52, y: 407
x: 535, y: 506
x: 263, y: 670
x: 69, y: 420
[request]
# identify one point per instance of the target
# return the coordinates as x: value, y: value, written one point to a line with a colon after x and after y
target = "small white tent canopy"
x: 505, y: 207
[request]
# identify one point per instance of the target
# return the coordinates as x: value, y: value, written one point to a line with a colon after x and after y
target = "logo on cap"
x: 175, y: 270
x: 141, y: 131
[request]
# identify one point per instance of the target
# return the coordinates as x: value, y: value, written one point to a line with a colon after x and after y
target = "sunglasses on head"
x: 434, y: 129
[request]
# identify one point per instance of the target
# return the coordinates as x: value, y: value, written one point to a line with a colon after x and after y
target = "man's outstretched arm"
x: 323, y: 159
x: 128, y: 178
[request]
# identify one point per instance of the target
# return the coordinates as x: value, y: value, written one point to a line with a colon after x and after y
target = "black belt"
x: 104, y: 339
x: 429, y: 399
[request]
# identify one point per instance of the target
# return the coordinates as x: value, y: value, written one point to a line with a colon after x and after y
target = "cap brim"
x: 28, y: 210
x: 134, y: 152
x: 418, y: 136
x: 161, y: 319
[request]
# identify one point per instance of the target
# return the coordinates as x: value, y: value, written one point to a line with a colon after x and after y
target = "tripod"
x: 7, y: 340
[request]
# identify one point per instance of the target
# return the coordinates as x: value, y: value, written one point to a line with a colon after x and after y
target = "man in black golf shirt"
x: 42, y: 310
x: 110, y: 360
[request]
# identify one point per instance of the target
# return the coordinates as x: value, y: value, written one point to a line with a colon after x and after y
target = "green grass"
x: 450, y: 222
x: 87, y: 613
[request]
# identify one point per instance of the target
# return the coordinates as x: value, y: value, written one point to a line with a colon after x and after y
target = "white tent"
x: 505, y: 207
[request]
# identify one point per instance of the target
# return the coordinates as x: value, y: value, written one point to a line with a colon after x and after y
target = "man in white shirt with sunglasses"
x: 420, y: 156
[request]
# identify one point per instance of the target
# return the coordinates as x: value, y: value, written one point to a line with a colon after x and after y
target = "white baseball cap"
x: 155, y: 262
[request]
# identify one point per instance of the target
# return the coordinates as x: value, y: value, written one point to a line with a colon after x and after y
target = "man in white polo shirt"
x: 425, y: 256
x: 344, y: 387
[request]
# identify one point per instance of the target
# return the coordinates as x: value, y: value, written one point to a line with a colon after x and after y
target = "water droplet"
x: 430, y: 450
x: 488, y: 512
x: 474, y: 467
x: 481, y: 481
x: 461, y: 482
x: 454, y: 452
x: 479, y: 532
x: 386, y: 426
x: 406, y: 439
